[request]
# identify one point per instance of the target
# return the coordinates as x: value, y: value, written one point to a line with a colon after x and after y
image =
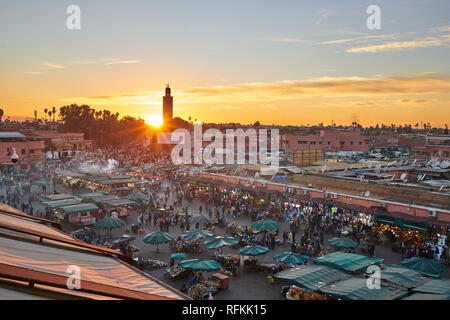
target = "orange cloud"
x: 323, y: 88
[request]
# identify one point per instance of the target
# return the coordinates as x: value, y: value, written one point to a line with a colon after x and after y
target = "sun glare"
x: 154, y: 119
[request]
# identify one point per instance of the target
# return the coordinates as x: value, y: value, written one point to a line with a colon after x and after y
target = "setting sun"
x: 154, y: 119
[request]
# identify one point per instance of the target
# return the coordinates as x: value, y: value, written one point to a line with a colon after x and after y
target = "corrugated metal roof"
x: 28, y: 258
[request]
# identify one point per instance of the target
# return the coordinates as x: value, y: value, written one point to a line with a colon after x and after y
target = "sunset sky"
x: 282, y: 62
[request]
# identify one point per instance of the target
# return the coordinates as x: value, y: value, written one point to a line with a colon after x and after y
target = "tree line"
x: 102, y: 126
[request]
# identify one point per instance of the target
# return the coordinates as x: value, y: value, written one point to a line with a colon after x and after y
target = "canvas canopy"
x: 402, y: 276
x: 357, y: 289
x: 83, y: 207
x: 117, y: 181
x: 427, y: 296
x: 311, y: 277
x: 400, y: 222
x: 435, y: 286
x: 118, y: 203
x: 348, y: 262
x: 103, y: 198
x: 62, y: 203
x: 89, y: 195
x: 54, y: 197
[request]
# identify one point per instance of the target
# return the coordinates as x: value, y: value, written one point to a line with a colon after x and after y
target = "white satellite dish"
x: 440, y: 189
x: 324, y: 168
x: 370, y: 165
x: 403, y: 177
x: 415, y: 160
x: 367, y: 193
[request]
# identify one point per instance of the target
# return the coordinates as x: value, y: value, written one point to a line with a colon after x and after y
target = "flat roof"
x: 9, y: 135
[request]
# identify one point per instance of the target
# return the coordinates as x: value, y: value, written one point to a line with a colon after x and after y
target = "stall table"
x: 222, y: 279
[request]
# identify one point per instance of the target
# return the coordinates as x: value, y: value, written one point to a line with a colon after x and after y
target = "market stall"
x: 347, y: 262
x: 392, y: 229
x: 357, y: 289
x: 311, y: 277
x: 176, y: 272
x: 201, y: 289
x: 80, y: 214
x: 297, y: 293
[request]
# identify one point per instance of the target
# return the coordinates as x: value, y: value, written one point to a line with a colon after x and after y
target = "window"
x: 360, y: 142
x: 23, y: 151
x: 435, y: 153
x: 351, y: 142
x: 445, y: 154
x: 329, y: 142
x: 32, y: 151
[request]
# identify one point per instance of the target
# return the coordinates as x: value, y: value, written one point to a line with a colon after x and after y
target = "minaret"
x: 167, y: 106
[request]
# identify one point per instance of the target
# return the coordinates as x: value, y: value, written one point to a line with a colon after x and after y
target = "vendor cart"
x: 222, y: 279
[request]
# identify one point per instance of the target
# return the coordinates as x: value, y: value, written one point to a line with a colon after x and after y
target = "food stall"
x: 222, y: 279
x: 297, y: 293
x: 78, y: 214
x: 203, y: 289
x: 176, y: 273
x: 155, y: 264
x: 121, y: 206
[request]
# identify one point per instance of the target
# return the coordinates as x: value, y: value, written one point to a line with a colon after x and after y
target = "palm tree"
x: 1, y: 114
x: 45, y: 112
x: 35, y: 115
x: 53, y: 112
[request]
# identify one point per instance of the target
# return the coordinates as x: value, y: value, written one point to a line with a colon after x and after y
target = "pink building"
x: 30, y: 152
x: 332, y: 140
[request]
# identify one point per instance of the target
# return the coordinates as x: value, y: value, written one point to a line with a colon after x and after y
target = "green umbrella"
x: 342, y: 243
x: 196, y: 234
x: 253, y: 250
x: 217, y: 242
x: 290, y: 258
x: 110, y: 223
x: 428, y: 267
x: 199, y: 219
x: 200, y: 264
x: 157, y: 237
x: 266, y: 225
x: 179, y: 256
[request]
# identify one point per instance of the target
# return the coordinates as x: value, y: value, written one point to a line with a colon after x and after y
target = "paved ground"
x: 247, y: 285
